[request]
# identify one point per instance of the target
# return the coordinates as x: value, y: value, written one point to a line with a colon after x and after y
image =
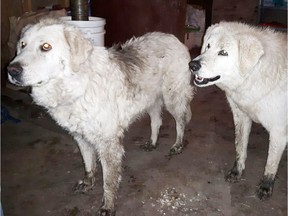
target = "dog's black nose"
x: 194, y: 65
x: 15, y: 69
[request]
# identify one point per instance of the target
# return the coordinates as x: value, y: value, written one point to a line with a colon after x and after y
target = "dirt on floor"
x: 41, y: 163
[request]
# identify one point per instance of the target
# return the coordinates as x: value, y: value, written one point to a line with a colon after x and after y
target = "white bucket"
x: 92, y: 29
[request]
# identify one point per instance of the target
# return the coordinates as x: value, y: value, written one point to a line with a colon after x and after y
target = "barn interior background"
x: 40, y: 165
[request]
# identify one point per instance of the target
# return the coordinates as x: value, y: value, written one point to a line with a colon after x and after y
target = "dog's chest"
x: 91, y: 122
x: 247, y: 105
x: 72, y: 120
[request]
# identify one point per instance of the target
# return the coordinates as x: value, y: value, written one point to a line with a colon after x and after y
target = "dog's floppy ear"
x: 80, y: 47
x: 24, y: 29
x: 250, y: 52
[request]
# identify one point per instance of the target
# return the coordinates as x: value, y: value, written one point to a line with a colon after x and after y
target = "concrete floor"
x: 41, y: 163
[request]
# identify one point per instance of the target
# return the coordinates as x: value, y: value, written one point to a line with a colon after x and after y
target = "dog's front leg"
x: 278, y: 142
x: 111, y: 153
x: 88, y: 152
x: 242, y: 124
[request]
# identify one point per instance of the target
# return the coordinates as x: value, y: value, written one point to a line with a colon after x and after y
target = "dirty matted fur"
x: 96, y: 93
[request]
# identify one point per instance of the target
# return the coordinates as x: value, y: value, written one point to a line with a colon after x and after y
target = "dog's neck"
x: 68, y: 90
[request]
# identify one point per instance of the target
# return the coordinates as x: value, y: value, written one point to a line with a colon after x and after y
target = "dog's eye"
x: 208, y: 46
x: 223, y: 53
x: 46, y: 47
x: 22, y: 44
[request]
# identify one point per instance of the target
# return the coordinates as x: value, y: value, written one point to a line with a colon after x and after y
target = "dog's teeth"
x: 199, y: 78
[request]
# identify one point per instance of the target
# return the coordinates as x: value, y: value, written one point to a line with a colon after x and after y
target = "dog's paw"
x: 82, y: 186
x: 176, y: 149
x: 233, y: 176
x: 106, y: 212
x: 265, y: 188
x: 148, y: 146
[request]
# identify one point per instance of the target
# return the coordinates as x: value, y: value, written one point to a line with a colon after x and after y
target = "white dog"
x: 96, y: 93
x: 250, y: 65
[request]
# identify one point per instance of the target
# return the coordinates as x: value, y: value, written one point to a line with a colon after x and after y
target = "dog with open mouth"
x: 250, y: 65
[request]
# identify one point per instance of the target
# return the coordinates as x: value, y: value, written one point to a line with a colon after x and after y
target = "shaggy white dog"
x: 96, y: 93
x: 250, y: 65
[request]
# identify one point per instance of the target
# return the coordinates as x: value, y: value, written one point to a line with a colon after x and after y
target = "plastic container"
x: 92, y: 29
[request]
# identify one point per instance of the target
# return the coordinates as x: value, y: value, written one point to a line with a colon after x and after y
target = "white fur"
x: 96, y: 93
x: 254, y: 78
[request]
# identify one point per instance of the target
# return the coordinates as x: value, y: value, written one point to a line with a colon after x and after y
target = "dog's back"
x: 154, y: 64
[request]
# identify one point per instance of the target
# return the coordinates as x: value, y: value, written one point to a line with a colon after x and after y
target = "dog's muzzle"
x: 15, y: 72
x: 194, y: 68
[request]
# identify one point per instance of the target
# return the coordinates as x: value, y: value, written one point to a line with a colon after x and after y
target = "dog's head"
x: 47, y: 50
x: 228, y: 53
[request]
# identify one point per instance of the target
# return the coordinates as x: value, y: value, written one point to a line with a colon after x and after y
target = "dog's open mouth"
x: 202, y: 81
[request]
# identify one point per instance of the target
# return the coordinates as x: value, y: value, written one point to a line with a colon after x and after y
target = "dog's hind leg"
x: 278, y: 142
x: 110, y: 153
x: 89, y: 156
x: 181, y: 111
x: 156, y: 122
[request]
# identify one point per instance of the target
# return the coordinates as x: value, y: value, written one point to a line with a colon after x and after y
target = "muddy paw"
x: 106, y: 212
x: 177, y: 149
x: 265, y: 188
x: 233, y: 176
x: 148, y: 146
x: 82, y: 186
